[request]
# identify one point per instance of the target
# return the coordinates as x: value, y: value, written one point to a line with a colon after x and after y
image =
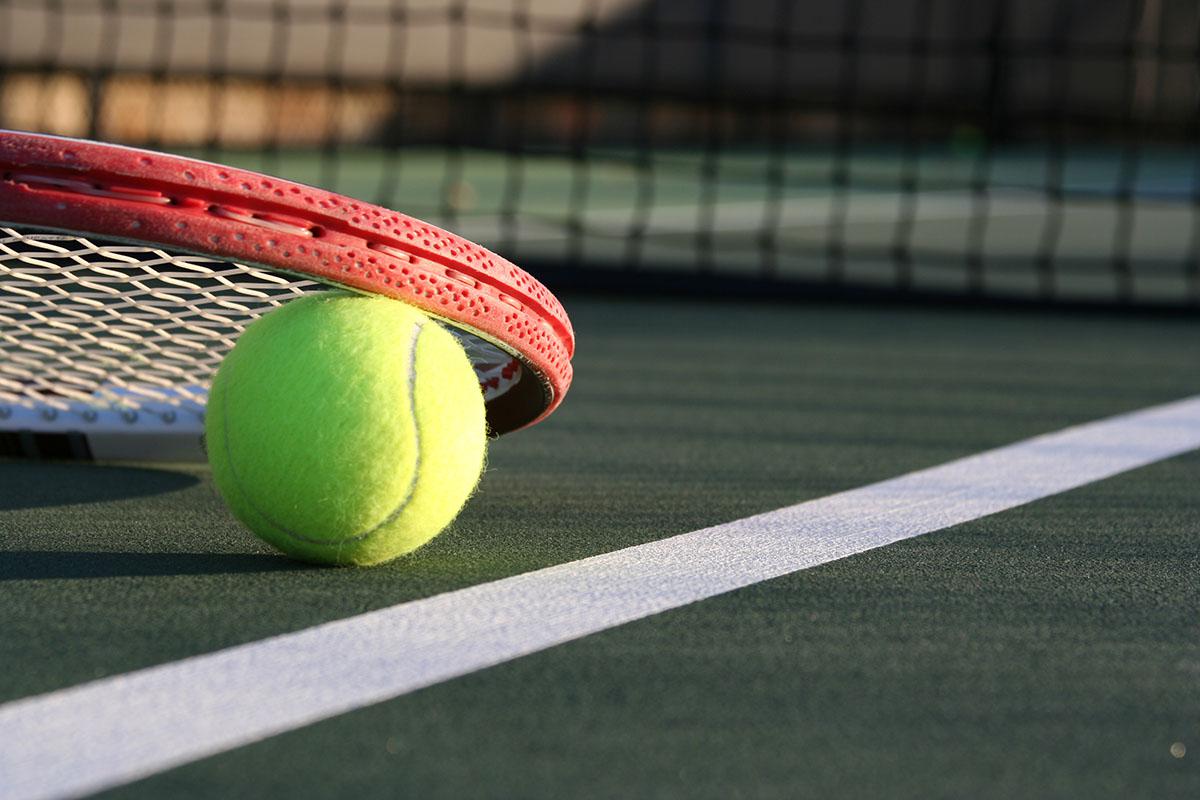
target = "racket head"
x: 132, y: 237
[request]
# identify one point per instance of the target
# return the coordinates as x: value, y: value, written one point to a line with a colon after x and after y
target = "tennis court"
x: 1051, y: 648
x: 878, y: 472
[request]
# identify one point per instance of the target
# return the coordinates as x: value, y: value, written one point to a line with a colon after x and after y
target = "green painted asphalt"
x: 1049, y: 651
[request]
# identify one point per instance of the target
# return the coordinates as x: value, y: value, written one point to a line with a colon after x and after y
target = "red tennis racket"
x: 126, y: 275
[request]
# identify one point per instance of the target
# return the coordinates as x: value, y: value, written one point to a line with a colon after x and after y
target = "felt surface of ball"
x: 346, y: 429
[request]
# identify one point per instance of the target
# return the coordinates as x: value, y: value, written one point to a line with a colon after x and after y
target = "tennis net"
x: 1036, y: 150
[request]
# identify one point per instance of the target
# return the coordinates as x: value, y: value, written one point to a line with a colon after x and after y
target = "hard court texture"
x: 1052, y: 650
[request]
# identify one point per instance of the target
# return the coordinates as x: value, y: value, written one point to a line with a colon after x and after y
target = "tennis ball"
x: 346, y: 429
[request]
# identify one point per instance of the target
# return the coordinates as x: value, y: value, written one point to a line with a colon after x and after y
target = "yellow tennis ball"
x: 346, y: 429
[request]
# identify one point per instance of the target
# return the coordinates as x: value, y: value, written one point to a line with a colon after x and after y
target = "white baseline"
x: 119, y: 729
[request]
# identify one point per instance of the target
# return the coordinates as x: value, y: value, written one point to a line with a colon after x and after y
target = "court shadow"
x: 19, y: 565
x: 25, y: 484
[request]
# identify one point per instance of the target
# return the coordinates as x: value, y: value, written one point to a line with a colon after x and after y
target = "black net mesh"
x: 1033, y: 149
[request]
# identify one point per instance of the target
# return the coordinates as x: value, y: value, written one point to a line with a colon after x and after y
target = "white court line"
x: 116, y: 730
x: 739, y: 216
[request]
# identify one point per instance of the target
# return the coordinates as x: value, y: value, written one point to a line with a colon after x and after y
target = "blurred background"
x: 1024, y: 151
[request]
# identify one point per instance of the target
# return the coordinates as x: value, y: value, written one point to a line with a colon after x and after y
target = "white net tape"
x: 92, y: 330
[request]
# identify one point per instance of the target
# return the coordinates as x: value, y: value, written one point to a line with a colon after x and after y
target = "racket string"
x: 90, y: 327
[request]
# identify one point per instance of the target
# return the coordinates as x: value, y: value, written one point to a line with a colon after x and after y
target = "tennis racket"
x: 126, y: 275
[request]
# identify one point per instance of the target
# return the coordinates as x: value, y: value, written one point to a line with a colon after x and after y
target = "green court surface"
x: 1048, y: 651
